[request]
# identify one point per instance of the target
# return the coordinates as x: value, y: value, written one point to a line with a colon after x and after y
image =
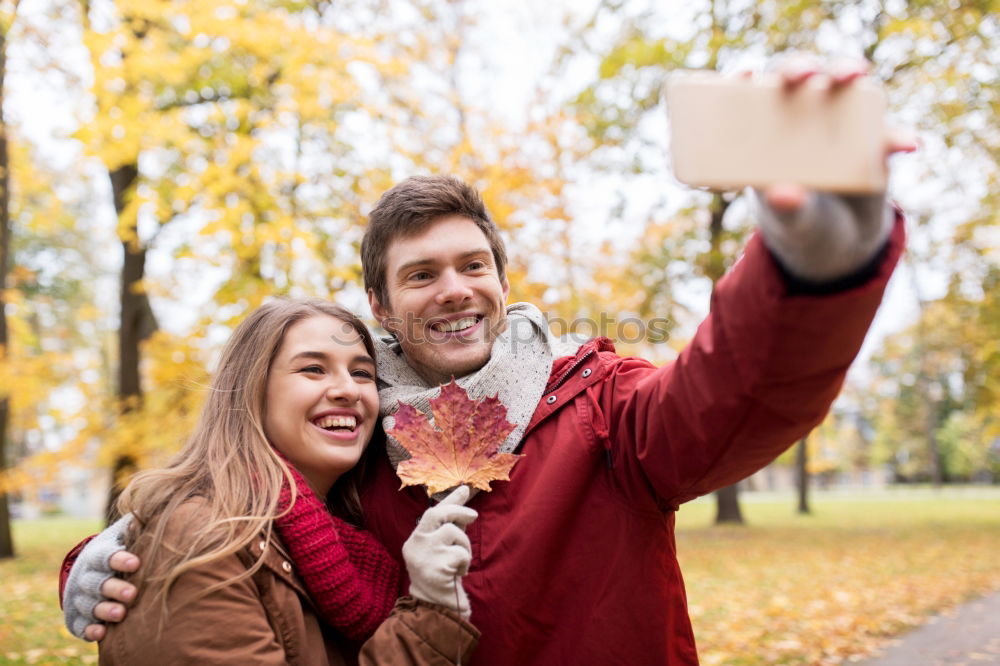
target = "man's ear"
x: 379, y: 312
x: 506, y: 288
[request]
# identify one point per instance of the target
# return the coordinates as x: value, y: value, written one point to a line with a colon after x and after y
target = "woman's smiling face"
x: 322, y: 401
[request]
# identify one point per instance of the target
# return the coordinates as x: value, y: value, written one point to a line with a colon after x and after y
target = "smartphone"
x: 729, y: 132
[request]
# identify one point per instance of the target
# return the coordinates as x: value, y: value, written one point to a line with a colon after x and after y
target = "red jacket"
x: 574, y: 560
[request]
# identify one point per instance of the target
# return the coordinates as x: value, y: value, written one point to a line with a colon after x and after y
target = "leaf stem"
x: 458, y: 657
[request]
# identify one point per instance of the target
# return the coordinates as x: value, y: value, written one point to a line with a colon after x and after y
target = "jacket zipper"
x: 576, y: 364
x: 562, y: 380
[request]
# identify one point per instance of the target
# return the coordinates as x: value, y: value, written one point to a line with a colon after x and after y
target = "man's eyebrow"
x: 416, y: 263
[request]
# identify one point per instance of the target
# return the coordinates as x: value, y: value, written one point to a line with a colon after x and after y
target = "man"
x: 574, y: 560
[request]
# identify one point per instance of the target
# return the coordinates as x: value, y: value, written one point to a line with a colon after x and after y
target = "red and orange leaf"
x: 461, y: 447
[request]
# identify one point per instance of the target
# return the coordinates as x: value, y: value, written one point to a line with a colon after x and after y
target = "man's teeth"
x: 457, y: 325
x: 328, y: 422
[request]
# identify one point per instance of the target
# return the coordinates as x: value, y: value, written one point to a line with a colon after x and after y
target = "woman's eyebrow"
x: 308, y: 354
x: 322, y: 356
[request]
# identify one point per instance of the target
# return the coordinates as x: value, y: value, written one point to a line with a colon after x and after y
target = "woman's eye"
x: 364, y: 374
x: 312, y: 369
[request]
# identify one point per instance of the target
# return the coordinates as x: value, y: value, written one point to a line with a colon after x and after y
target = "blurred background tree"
x: 6, y: 20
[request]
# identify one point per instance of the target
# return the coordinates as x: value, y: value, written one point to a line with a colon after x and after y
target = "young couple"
x: 570, y: 562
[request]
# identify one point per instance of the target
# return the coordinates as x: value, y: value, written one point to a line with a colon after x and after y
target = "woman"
x: 286, y: 425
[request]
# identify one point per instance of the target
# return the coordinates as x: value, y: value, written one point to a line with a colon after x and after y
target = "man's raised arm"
x: 785, y: 324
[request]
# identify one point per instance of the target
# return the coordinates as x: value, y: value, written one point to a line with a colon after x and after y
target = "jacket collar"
x: 563, y: 368
x: 571, y: 375
x: 277, y: 561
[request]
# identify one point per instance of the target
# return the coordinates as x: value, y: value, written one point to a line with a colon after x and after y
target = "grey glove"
x: 830, y: 237
x: 91, y: 569
x: 438, y: 552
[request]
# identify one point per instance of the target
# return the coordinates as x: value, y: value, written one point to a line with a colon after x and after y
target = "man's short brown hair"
x: 412, y: 206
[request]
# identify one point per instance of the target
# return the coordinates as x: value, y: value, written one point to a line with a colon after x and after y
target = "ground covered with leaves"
x: 831, y: 587
x: 786, y: 589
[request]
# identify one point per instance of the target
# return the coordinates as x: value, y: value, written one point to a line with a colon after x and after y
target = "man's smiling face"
x: 445, y: 298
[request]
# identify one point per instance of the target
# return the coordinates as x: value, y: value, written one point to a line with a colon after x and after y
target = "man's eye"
x: 422, y: 275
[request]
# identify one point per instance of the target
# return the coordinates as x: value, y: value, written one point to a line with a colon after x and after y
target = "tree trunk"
x: 727, y: 506
x: 137, y: 324
x: 6, y: 539
x: 727, y: 500
x: 924, y: 380
x: 933, y: 407
x: 802, y: 477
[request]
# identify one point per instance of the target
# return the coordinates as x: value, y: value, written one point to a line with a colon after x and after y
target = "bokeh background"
x: 167, y: 166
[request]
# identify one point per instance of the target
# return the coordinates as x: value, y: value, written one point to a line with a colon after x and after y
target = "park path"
x: 968, y: 635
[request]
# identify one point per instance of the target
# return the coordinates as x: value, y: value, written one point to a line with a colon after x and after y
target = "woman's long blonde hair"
x: 228, y: 464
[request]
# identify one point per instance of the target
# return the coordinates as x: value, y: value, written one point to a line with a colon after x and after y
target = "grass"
x: 786, y: 589
x: 31, y: 626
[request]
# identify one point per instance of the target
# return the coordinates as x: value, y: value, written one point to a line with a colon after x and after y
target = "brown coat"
x: 268, y: 618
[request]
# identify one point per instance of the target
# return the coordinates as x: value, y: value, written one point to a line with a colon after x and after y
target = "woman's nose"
x: 342, y: 388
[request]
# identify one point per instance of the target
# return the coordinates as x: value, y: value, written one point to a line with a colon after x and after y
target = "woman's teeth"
x: 334, y: 422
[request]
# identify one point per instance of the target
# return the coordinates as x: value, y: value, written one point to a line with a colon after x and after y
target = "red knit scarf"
x: 349, y: 575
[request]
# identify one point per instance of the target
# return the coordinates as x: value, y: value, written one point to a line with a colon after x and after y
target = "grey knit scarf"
x: 516, y: 372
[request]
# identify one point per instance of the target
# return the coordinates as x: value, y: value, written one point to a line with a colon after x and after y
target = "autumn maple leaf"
x: 459, y: 448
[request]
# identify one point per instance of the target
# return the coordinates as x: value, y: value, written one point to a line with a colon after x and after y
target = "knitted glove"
x: 830, y: 237
x: 83, y: 587
x: 439, y: 551
x: 348, y: 573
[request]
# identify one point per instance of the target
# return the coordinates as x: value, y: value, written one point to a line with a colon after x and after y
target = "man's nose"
x: 452, y: 287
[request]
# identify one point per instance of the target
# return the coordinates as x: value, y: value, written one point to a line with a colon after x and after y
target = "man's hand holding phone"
x: 810, y: 138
